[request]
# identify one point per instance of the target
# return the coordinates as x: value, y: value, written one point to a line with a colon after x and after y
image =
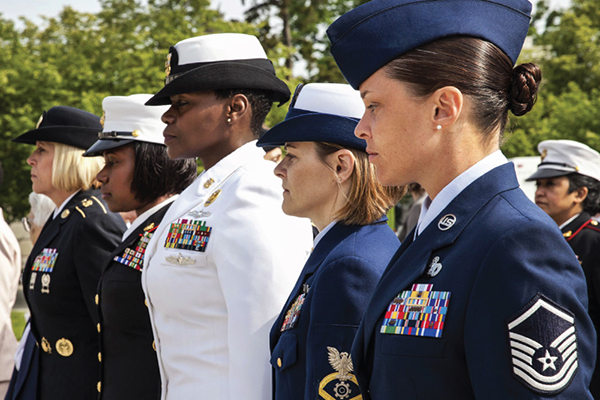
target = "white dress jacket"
x: 216, y: 273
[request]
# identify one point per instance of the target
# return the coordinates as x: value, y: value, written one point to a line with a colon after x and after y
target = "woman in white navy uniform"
x: 327, y: 178
x: 137, y: 175
x: 63, y: 269
x: 484, y: 299
x: 219, y: 268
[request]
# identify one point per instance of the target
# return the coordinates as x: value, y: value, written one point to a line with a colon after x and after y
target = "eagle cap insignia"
x: 544, y: 154
x: 346, y: 385
x: 543, y: 342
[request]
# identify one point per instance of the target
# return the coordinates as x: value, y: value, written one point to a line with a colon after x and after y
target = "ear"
x: 448, y: 104
x: 342, y: 162
x: 238, y: 105
x: 580, y: 194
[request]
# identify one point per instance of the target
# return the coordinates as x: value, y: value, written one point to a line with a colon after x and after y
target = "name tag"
x: 417, y: 312
x: 45, y: 261
x: 188, y: 234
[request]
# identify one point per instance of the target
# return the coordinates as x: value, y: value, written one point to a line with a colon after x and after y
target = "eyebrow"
x: 285, y: 146
x: 363, y: 94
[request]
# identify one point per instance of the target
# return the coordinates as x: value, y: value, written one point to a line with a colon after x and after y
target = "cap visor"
x: 543, y: 173
x: 105, y: 144
x: 72, y: 135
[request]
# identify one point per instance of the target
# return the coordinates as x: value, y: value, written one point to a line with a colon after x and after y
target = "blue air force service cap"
x: 66, y: 125
x: 564, y: 157
x: 219, y: 61
x: 126, y: 120
x: 368, y: 37
x: 320, y: 112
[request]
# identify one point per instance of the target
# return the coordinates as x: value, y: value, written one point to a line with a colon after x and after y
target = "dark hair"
x: 368, y: 200
x: 260, y: 104
x: 155, y: 174
x: 479, y: 70
x: 591, y: 203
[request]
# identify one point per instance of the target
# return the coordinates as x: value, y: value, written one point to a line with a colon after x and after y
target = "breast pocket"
x: 186, y: 259
x: 285, y: 352
x: 412, y: 346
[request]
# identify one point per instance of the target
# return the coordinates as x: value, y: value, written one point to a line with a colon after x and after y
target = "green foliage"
x: 18, y: 321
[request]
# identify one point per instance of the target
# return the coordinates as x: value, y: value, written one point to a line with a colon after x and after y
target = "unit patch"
x: 417, y: 312
x: 291, y: 317
x: 45, y: 261
x: 340, y: 384
x: 188, y: 234
x: 543, y: 344
x: 134, y: 258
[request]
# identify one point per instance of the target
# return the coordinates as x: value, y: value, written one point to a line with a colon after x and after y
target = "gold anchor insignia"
x: 180, y: 260
x: 64, y: 347
x: 46, y: 346
x: 168, y: 65
x: 567, y: 234
x: 103, y: 118
x: 65, y: 214
x: 148, y: 227
x: 544, y: 154
x: 211, y: 199
x: 208, y: 183
x: 87, y: 202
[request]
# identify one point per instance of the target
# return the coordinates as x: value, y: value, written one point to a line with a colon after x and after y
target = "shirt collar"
x: 59, y: 209
x: 567, y: 222
x: 323, y: 233
x: 431, y: 208
x: 145, y: 215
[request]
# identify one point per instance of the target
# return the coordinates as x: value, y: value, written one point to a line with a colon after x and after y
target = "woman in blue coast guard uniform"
x: 63, y: 269
x: 137, y: 175
x: 484, y: 299
x: 327, y: 178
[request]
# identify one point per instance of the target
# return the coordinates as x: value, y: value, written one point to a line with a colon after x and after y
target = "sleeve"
x: 95, y: 239
x: 10, y: 268
x: 341, y: 294
x: 527, y: 331
x: 260, y: 255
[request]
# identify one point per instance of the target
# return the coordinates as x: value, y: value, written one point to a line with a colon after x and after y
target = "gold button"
x: 97, y: 299
x: 208, y: 183
x: 65, y: 214
x: 98, y: 326
x: 99, y: 357
x: 154, y: 345
x: 98, y: 386
x: 594, y: 222
x: 279, y: 362
x: 146, y: 303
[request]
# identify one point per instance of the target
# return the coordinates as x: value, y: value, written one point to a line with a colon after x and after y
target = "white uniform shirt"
x: 212, y: 314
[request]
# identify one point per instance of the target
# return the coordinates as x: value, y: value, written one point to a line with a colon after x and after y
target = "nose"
x: 279, y: 170
x: 363, y: 129
x: 102, y: 176
x: 31, y: 160
x: 168, y: 116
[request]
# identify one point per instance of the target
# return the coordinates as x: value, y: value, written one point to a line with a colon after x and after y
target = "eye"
x: 180, y: 103
x: 289, y: 156
x: 371, y: 107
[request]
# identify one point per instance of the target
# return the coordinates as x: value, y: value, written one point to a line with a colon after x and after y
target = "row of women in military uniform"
x: 216, y: 291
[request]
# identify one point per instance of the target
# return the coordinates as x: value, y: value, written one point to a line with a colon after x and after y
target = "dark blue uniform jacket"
x: 516, y: 326
x: 337, y: 282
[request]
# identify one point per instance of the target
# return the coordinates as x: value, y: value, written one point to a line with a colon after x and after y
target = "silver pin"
x: 199, y: 214
x: 46, y: 283
x: 435, y: 267
x: 32, y: 280
x: 446, y: 222
x: 180, y: 260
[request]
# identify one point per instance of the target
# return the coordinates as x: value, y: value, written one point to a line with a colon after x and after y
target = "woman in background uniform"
x: 327, y: 178
x: 486, y: 299
x: 568, y: 190
x: 137, y: 175
x: 63, y: 269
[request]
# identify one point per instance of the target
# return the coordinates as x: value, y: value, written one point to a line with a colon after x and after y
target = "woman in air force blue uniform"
x: 137, y: 175
x: 327, y: 177
x: 484, y: 299
x: 63, y: 269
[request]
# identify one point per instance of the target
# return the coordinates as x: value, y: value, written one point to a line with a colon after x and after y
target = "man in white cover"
x: 219, y: 268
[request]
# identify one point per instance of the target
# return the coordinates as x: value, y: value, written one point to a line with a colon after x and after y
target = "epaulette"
x: 591, y: 224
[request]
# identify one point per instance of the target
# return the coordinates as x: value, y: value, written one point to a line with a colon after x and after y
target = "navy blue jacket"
x: 23, y: 383
x: 338, y: 280
x: 516, y: 314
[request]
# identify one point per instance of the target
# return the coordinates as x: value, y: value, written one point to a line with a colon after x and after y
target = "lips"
x: 168, y: 136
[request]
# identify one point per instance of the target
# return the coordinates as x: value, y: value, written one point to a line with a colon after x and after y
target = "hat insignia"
x: 168, y: 65
x: 103, y: 118
x: 544, y: 154
x: 39, y: 121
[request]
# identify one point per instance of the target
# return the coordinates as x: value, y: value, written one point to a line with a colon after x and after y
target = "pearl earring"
x: 229, y: 120
x: 439, y: 127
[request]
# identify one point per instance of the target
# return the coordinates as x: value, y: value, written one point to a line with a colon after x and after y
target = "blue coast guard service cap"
x: 320, y: 112
x: 368, y: 37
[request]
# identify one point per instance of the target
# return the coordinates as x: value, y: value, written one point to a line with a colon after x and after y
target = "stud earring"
x: 439, y: 127
x: 228, y: 120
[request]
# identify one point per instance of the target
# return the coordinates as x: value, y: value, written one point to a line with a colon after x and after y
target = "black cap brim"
x: 223, y: 75
x: 76, y: 136
x: 105, y: 144
x: 544, y: 173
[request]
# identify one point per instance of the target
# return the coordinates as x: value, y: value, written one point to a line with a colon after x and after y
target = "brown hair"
x: 368, y: 200
x: 479, y: 70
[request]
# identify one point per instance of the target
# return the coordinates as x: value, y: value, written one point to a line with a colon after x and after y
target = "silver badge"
x: 32, y: 280
x: 199, y: 214
x: 180, y: 260
x: 435, y: 267
x: 446, y: 222
x: 46, y: 283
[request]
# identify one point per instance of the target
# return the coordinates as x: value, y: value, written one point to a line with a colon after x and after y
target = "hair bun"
x: 525, y: 84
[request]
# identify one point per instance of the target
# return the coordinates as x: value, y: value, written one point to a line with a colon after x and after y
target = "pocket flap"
x: 285, y: 352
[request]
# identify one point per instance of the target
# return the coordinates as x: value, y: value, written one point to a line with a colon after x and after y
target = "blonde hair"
x: 71, y: 171
x: 367, y: 200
